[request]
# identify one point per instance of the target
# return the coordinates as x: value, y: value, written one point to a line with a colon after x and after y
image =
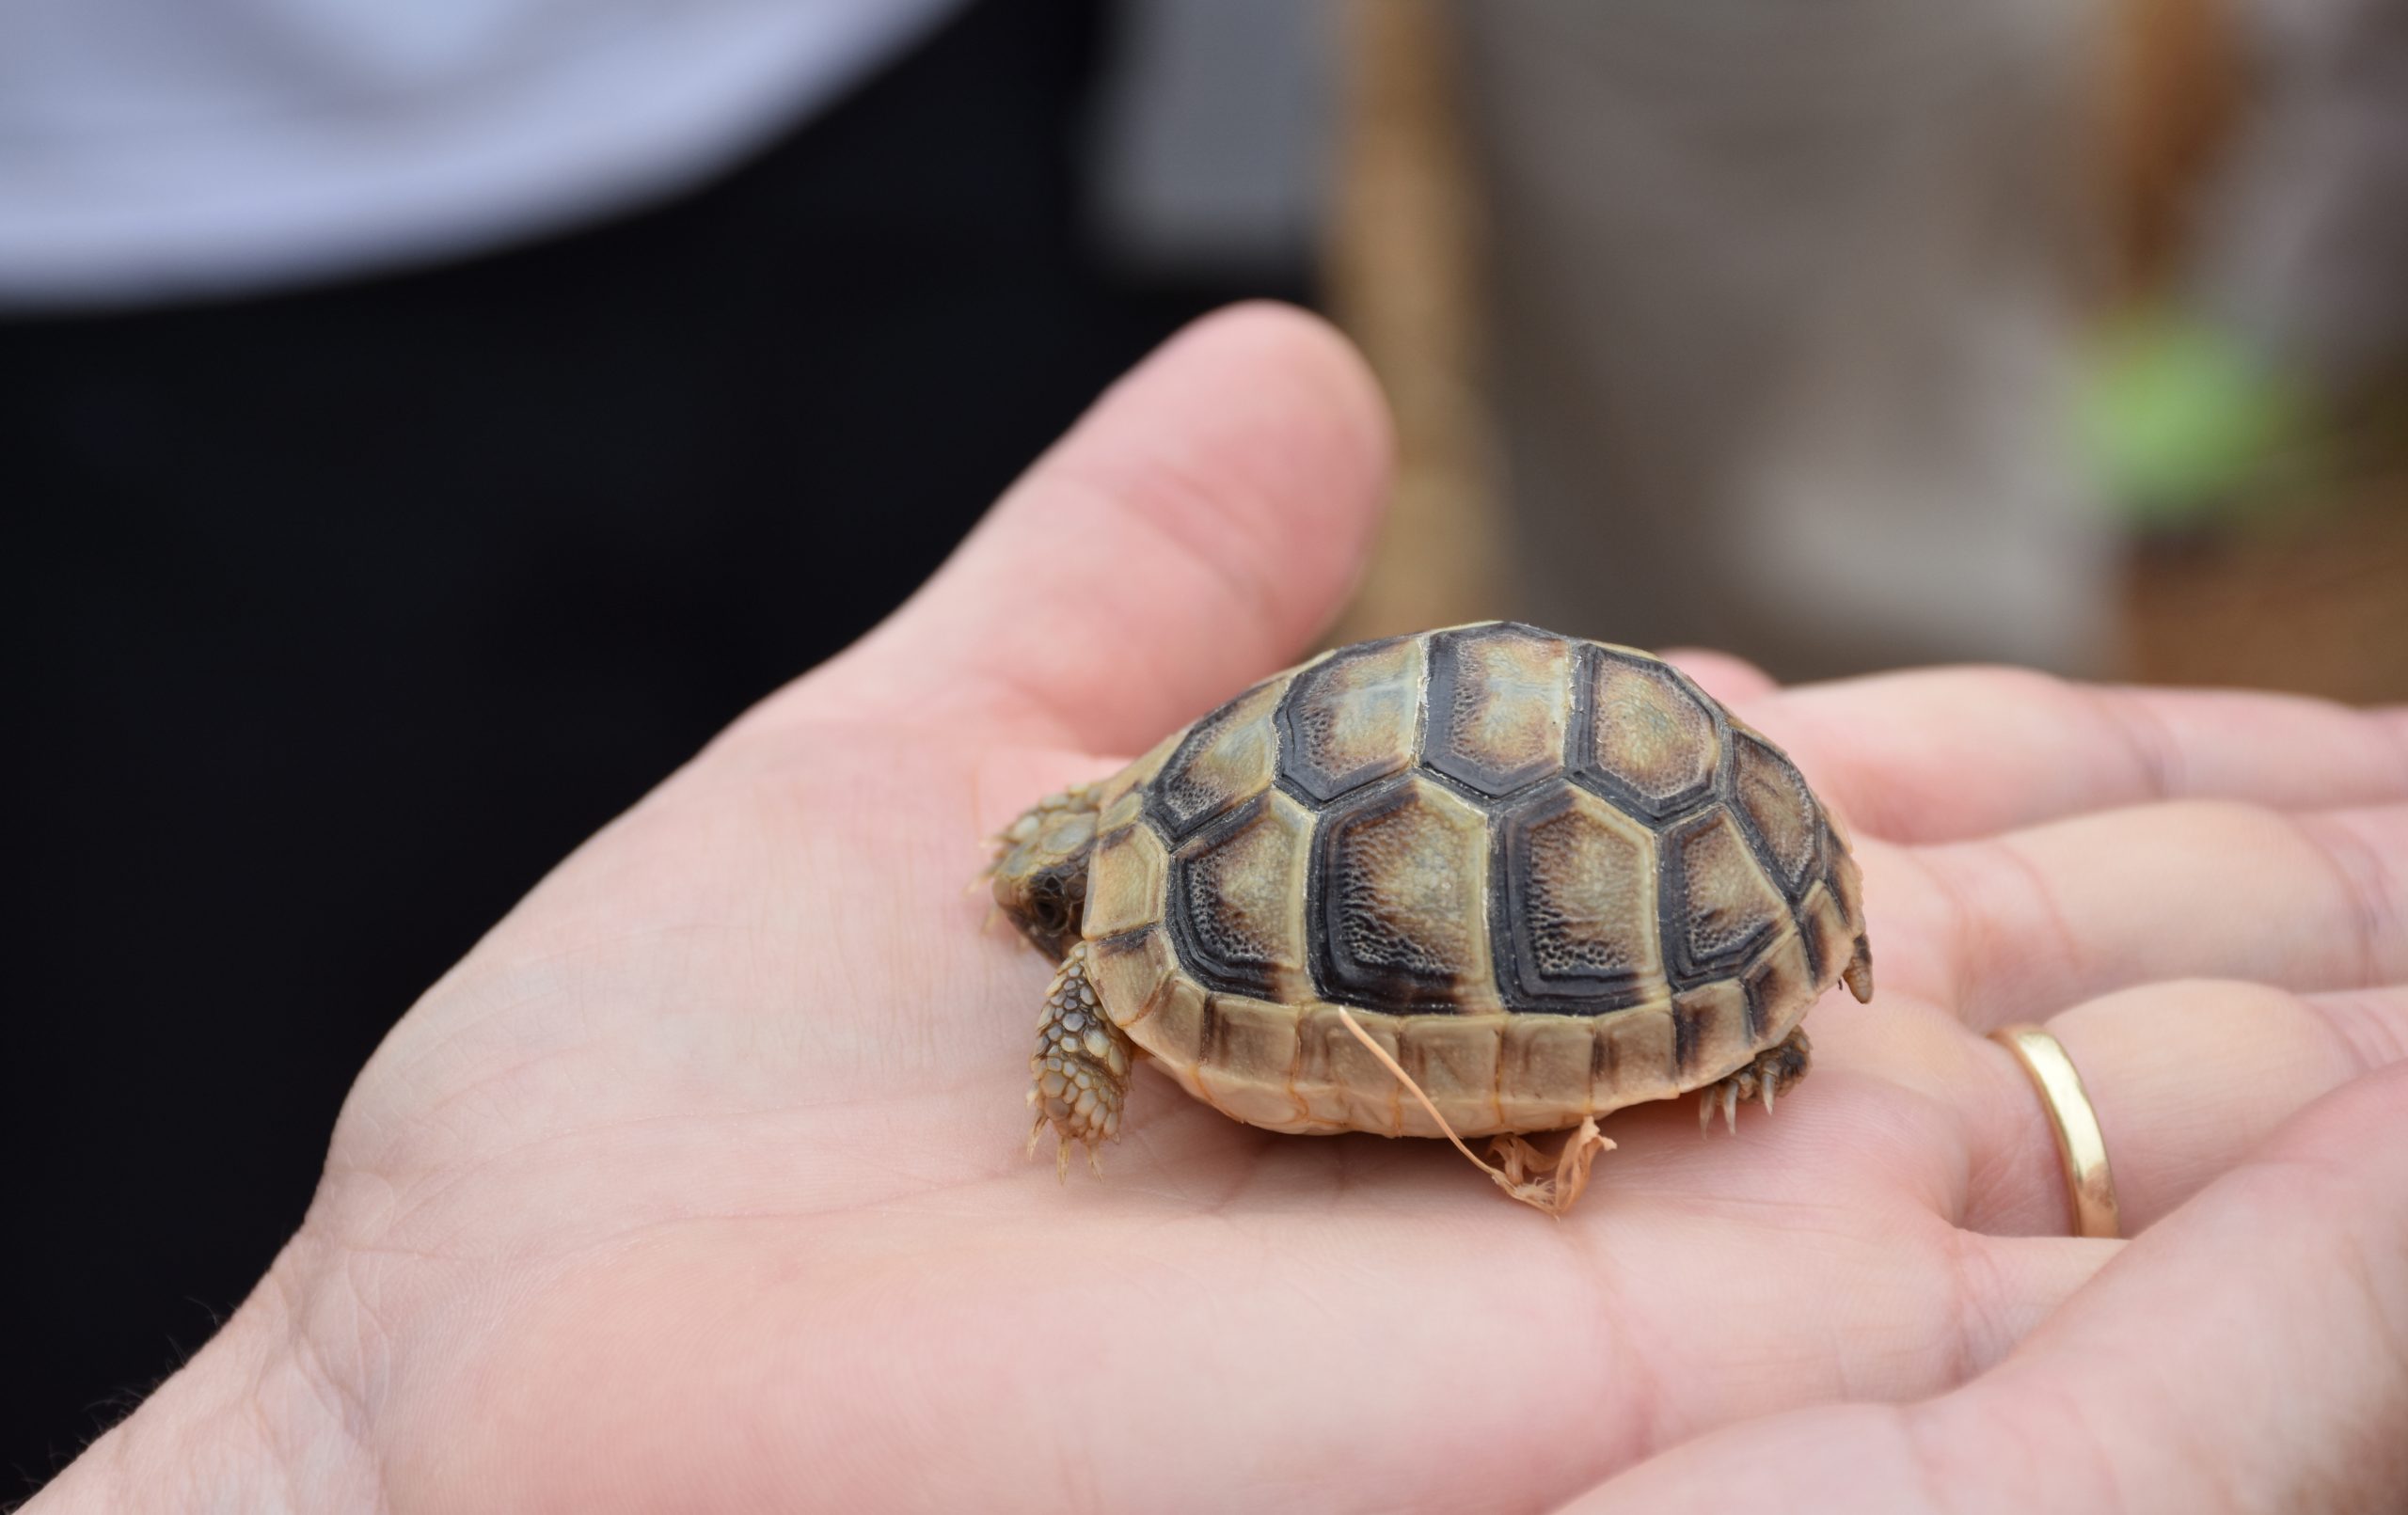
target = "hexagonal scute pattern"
x: 1402, y: 920
x: 1579, y: 934
x: 1777, y: 804
x: 1224, y: 761
x: 1350, y: 720
x: 1650, y: 743
x: 1718, y: 905
x: 1124, y: 882
x: 1238, y: 891
x: 1501, y: 699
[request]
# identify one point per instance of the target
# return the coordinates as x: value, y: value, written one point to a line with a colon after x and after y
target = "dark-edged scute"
x: 1718, y: 907
x: 1401, y: 876
x: 1482, y: 819
x: 1779, y: 807
x: 1578, y: 933
x: 1500, y: 700
x: 1238, y: 891
x: 1351, y: 718
x: 1652, y: 743
x: 1224, y: 760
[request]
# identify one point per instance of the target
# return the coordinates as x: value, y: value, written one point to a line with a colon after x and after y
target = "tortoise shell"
x: 1551, y: 877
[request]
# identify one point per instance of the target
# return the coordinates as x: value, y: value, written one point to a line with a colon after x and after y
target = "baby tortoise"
x: 1479, y: 882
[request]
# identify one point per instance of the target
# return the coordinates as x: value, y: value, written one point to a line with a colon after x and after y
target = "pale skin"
x: 699, y: 1183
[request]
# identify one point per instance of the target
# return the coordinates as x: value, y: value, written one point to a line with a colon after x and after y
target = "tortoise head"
x: 1041, y: 871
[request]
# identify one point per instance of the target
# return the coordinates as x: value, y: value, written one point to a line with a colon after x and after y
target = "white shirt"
x: 159, y: 149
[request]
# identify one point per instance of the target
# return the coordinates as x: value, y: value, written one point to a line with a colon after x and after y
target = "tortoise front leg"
x: 1079, y: 1073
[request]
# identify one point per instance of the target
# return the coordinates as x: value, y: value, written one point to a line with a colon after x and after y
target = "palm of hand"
x: 658, y: 1133
x: 700, y: 1182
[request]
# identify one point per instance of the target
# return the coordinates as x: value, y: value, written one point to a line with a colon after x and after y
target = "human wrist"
x: 251, y: 1424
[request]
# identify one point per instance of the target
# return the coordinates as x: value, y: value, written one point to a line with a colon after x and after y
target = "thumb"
x: 1193, y: 532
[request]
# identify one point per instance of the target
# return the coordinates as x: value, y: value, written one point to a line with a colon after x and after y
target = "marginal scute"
x: 1710, y: 1031
x: 1500, y: 700
x: 1719, y: 906
x: 1542, y: 1060
x: 1131, y: 974
x: 1847, y: 883
x: 1824, y: 933
x: 1402, y: 877
x: 1124, y: 882
x: 1351, y: 718
x: 1580, y: 913
x: 1248, y: 1064
x: 1781, y: 985
x: 1651, y: 741
x: 1779, y: 806
x: 1633, y: 1058
x: 1239, y: 892
x: 1340, y: 1080
x: 1454, y: 1058
x: 1174, y: 1030
x: 1224, y: 759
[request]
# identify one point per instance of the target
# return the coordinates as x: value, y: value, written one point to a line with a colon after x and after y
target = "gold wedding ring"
x: 2080, y: 1147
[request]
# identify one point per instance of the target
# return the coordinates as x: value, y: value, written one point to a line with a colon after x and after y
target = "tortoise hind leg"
x: 1773, y: 1072
x: 1078, y: 1073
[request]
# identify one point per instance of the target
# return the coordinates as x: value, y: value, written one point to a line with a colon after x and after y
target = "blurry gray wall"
x: 2305, y: 252
x: 1211, y: 150
x: 1783, y: 324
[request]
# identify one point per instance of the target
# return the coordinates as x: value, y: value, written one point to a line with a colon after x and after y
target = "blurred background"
x: 423, y: 426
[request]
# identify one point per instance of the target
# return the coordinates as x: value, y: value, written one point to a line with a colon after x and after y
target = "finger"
x: 2023, y: 925
x: 1190, y: 534
x: 1727, y: 678
x: 1946, y: 753
x: 2248, y: 1346
x: 2246, y: 1354
x: 2187, y: 1080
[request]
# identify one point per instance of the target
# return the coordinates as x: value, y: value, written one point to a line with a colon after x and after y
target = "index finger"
x: 1943, y: 754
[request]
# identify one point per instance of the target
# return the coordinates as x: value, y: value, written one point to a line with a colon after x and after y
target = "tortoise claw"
x: 1773, y: 1071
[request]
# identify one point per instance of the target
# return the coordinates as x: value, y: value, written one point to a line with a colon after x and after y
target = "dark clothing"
x: 346, y: 612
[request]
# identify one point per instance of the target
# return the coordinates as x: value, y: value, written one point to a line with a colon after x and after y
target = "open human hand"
x: 699, y: 1183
